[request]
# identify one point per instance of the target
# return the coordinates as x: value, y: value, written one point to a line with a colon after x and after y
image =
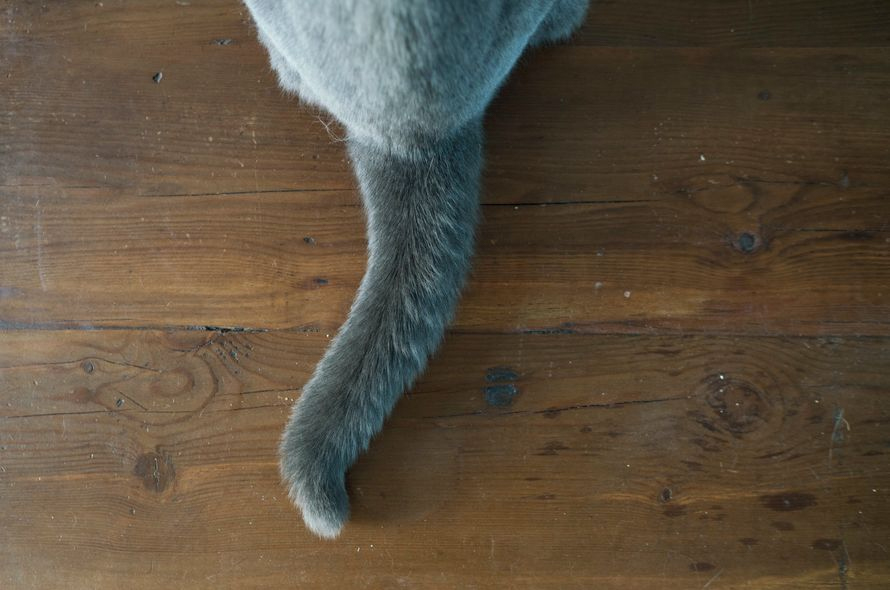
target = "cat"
x: 409, y: 80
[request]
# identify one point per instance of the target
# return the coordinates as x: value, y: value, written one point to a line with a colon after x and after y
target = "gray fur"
x: 410, y: 81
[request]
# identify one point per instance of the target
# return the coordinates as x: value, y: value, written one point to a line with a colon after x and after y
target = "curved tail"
x: 422, y: 207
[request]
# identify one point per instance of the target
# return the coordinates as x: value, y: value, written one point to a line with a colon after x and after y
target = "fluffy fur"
x: 409, y: 80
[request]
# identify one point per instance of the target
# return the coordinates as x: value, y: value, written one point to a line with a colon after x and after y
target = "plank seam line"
x: 607, y: 406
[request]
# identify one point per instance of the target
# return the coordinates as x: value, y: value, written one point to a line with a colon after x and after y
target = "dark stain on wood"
x: 702, y: 566
x: 503, y: 395
x: 552, y: 448
x: 548, y: 331
x: 747, y: 243
x: 782, y: 525
x: 156, y: 470
x: 500, y: 395
x: 674, y: 510
x: 827, y: 544
x: 740, y: 406
x: 788, y: 501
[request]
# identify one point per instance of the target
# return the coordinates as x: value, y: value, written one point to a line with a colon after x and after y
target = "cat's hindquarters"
x: 422, y: 207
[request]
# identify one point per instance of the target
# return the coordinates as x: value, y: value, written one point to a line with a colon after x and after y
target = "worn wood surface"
x: 671, y: 367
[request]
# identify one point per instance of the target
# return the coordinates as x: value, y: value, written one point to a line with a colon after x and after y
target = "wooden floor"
x: 671, y: 368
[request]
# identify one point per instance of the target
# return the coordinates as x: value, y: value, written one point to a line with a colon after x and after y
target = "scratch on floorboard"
x: 551, y: 411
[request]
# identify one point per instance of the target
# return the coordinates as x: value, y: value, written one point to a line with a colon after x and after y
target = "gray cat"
x: 410, y: 81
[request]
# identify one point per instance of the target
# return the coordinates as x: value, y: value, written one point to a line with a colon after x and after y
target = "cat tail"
x: 422, y: 206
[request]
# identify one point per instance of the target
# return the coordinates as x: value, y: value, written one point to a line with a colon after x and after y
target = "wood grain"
x: 779, y: 23
x: 670, y: 368
x: 769, y: 467
x: 730, y: 260
x: 573, y: 123
x: 682, y: 119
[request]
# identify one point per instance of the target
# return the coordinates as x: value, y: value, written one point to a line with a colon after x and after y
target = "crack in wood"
x: 609, y: 406
x: 149, y: 412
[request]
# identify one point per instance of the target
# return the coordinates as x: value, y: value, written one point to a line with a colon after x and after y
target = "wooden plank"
x: 574, y: 123
x: 617, y: 462
x: 640, y: 23
x: 725, y: 259
x: 95, y: 117
x: 134, y: 261
x: 777, y: 23
x: 617, y: 124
